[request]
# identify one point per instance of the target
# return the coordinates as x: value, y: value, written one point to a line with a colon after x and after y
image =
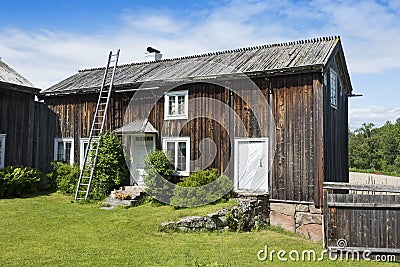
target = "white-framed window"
x: 333, y: 87
x: 64, y: 150
x: 179, y: 151
x: 176, y: 105
x: 84, y: 142
x: 2, y: 149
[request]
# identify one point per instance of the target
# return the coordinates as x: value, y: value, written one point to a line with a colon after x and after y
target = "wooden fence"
x: 362, y: 217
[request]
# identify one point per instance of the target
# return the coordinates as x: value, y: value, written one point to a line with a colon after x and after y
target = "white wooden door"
x: 251, y: 165
x: 141, y: 146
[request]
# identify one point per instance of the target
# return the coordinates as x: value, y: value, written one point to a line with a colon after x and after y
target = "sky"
x: 47, y: 40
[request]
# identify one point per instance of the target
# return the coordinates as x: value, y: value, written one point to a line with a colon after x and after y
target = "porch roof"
x: 138, y: 126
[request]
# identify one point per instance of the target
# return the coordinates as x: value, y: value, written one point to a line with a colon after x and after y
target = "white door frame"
x: 236, y: 161
x: 138, y: 172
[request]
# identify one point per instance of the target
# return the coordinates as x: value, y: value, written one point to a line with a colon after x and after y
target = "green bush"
x: 109, y: 173
x: 200, y: 188
x: 158, y: 177
x: 18, y: 181
x: 111, y: 170
x: 65, y: 176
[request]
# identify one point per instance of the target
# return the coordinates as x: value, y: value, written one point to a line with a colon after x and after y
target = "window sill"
x: 185, y: 173
x: 181, y: 117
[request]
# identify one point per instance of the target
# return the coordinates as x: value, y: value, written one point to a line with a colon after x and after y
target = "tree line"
x: 376, y: 148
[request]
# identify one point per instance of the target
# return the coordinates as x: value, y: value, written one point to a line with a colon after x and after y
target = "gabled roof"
x: 139, y: 126
x: 252, y: 61
x: 14, y: 80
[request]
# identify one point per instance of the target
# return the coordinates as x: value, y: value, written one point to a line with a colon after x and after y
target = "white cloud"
x: 376, y: 114
x: 370, y: 31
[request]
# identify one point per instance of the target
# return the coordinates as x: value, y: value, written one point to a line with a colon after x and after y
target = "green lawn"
x: 52, y: 231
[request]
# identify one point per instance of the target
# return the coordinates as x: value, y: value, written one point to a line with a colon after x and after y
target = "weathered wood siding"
x: 297, y: 109
x: 335, y: 131
x: 366, y: 218
x: 46, y: 127
x: 16, y: 121
x: 303, y: 157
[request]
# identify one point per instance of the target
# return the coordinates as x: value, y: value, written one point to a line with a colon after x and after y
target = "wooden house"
x: 186, y: 104
x: 17, y: 109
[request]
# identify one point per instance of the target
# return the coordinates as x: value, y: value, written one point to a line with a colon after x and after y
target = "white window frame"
x: 64, y: 140
x: 168, y: 116
x: 333, y: 92
x: 174, y: 161
x: 2, y: 150
x: 82, y: 150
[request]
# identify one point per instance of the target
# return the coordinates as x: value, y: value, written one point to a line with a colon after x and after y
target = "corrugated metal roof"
x: 265, y: 58
x: 139, y: 126
x: 9, y: 75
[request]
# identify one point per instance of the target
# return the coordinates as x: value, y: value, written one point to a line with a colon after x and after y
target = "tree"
x: 376, y: 148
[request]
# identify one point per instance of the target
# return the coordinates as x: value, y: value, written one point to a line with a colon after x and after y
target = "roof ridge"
x: 242, y: 49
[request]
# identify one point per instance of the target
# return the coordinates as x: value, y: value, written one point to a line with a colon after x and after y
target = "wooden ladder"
x: 92, y: 149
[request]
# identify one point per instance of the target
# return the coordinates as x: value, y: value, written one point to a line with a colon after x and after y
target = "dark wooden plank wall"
x: 335, y: 132
x: 16, y: 121
x: 374, y: 223
x: 46, y: 127
x: 298, y: 169
x: 296, y: 108
x: 208, y: 119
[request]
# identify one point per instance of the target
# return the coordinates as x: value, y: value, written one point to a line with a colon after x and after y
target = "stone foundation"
x: 251, y: 212
x: 303, y: 219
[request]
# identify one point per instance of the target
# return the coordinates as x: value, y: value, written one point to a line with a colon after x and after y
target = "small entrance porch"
x: 139, y: 140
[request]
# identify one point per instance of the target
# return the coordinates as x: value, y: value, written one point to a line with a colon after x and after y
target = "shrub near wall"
x: 18, y: 181
x: 111, y: 170
x: 159, y: 171
x: 201, y: 187
x: 65, y: 176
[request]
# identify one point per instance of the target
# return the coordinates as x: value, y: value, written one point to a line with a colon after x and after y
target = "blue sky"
x: 47, y: 41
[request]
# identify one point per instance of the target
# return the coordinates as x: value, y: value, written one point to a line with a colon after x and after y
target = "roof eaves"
x: 19, y: 88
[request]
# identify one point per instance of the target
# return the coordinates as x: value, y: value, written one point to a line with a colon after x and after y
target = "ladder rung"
x: 98, y: 123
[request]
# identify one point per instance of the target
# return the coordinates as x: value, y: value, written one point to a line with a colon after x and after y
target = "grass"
x: 51, y: 231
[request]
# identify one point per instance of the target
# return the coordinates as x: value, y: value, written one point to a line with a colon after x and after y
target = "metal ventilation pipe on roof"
x: 152, y: 54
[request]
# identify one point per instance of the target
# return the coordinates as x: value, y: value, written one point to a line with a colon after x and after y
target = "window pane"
x: 333, y: 88
x: 68, y: 146
x: 60, y: 151
x: 171, y: 106
x: 171, y: 151
x: 1, y: 150
x: 181, y: 164
x: 181, y: 104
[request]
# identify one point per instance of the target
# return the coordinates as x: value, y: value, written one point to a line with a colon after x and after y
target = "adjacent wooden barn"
x: 206, y: 111
x: 17, y: 110
x: 25, y: 124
